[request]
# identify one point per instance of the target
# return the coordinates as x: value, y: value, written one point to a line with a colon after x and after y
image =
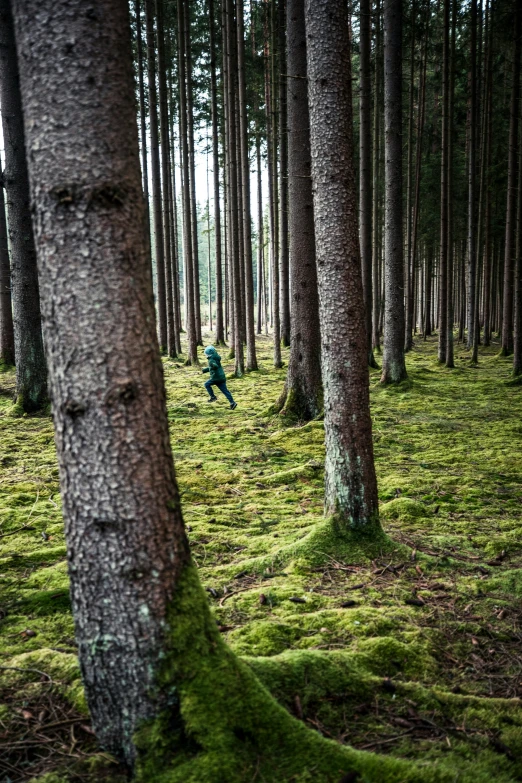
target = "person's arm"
x: 206, y: 369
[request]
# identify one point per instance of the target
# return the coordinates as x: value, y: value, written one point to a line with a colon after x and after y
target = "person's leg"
x: 210, y: 390
x: 222, y: 386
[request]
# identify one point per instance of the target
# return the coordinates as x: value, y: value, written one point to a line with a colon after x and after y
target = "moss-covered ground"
x: 413, y: 654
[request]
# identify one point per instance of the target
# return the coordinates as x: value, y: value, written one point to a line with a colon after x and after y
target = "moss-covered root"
x: 232, y: 729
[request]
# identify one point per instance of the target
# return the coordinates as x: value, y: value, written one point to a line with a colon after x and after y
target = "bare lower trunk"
x: 350, y: 483
x: 393, y: 364
x: 126, y: 544
x: 31, y: 371
x: 220, y: 333
x: 376, y: 292
x: 284, y: 269
x: 302, y: 396
x: 7, y: 349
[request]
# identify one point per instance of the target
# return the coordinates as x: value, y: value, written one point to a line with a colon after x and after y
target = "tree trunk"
x: 302, y: 396
x: 450, y: 310
x: 260, y: 239
x: 350, y: 483
x: 143, y: 112
x: 190, y: 316
x: 393, y: 365
x: 157, y: 209
x: 376, y: 293
x: 220, y: 333
x: 471, y: 239
x: 511, y: 207
x: 444, y: 202
x: 409, y: 264
x: 165, y: 177
x: 365, y: 169
x: 517, y: 305
x: 7, y: 349
x: 31, y: 371
x: 251, y: 361
x: 284, y: 276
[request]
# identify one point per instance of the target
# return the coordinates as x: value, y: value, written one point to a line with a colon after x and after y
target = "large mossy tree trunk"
x: 302, y: 396
x: 393, y: 364
x: 350, y: 482
x: 31, y: 370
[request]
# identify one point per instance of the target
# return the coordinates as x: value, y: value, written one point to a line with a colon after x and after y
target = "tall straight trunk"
x: 165, y: 177
x: 488, y: 248
x: 350, y: 482
x: 260, y: 238
x: 234, y: 217
x: 220, y: 333
x: 408, y: 267
x: 376, y: 289
x: 190, y: 316
x: 365, y: 169
x: 472, y: 144
x: 174, y: 245
x: 31, y: 370
x: 7, y: 348
x: 251, y: 359
x: 517, y: 304
x: 450, y: 360
x: 444, y: 200
x: 284, y: 265
x: 157, y: 208
x: 272, y: 179
x: 302, y: 396
x: 126, y: 545
x: 192, y: 170
x: 428, y: 292
x: 143, y: 111
x: 418, y: 158
x: 511, y: 206
x: 393, y: 365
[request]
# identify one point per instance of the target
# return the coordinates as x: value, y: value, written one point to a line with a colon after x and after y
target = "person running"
x: 217, y: 376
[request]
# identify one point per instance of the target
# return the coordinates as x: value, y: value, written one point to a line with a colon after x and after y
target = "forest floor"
x: 416, y: 654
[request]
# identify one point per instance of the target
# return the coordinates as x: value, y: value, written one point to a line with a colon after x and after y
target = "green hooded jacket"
x: 217, y: 374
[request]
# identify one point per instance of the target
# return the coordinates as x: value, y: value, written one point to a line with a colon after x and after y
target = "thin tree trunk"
x: 143, y: 111
x: 511, y: 207
x: 7, y: 348
x: 444, y: 195
x: 220, y: 333
x: 260, y: 238
x: 284, y: 267
x: 165, y: 177
x: 376, y: 292
x: 471, y: 239
x: 190, y: 316
x: 192, y: 171
x: 408, y: 268
x: 393, y: 365
x: 302, y: 396
x: 157, y: 209
x: 517, y: 332
x: 365, y: 169
x: 31, y: 370
x: 251, y: 360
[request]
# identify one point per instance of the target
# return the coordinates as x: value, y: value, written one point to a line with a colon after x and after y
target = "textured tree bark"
x: 365, y: 168
x: 444, y: 202
x: 302, y: 396
x: 157, y: 208
x: 192, y: 170
x: 165, y: 177
x: 143, y: 112
x: 376, y: 293
x: 7, y: 348
x: 517, y: 304
x: 260, y: 238
x: 450, y: 317
x: 234, y: 217
x: 220, y: 333
x: 125, y: 538
x: 284, y: 268
x: 409, y: 262
x: 471, y: 228
x: 251, y: 359
x: 511, y: 207
x: 190, y: 315
x: 31, y: 370
x: 350, y: 482
x: 393, y: 364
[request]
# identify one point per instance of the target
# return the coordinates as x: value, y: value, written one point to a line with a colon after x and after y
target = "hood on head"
x: 209, y: 350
